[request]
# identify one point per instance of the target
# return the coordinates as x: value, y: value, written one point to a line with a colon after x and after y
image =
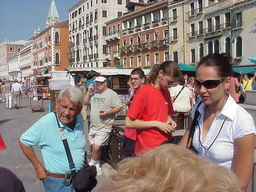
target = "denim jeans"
x: 52, y: 184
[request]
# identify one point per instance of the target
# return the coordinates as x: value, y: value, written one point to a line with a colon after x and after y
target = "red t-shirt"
x: 150, y: 104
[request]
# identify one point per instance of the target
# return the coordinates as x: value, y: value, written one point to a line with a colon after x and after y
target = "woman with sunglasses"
x: 224, y: 132
x: 151, y: 109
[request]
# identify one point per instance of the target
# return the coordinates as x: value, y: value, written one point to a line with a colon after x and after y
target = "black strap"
x: 67, y: 149
x: 178, y: 94
x: 193, y: 126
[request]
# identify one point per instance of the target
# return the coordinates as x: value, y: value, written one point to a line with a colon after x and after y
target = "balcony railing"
x: 95, y: 37
x: 91, y: 56
x: 96, y: 55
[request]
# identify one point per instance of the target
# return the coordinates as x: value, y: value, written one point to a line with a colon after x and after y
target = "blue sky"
x: 19, y: 18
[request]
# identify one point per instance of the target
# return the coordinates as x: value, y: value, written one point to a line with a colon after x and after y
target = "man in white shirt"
x: 16, y: 93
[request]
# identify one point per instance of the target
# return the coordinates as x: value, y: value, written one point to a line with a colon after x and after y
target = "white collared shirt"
x: 235, y: 121
x: 16, y: 87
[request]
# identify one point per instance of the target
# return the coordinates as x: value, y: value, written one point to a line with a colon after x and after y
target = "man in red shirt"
x: 137, y: 80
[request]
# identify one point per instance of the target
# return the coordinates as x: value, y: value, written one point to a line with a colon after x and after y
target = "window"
x: 104, y: 13
x: 91, y: 17
x: 166, y: 56
x: 228, y: 45
x: 96, y: 15
x: 238, y: 20
x: 192, y: 9
x: 192, y: 29
x: 119, y: 2
x: 57, y: 38
x: 139, y: 60
x: 175, y: 33
x: 239, y: 45
x: 147, y: 38
x: 200, y: 5
x: 201, y: 27
x: 193, y: 56
x: 174, y: 14
x: 216, y: 46
x: 131, y: 62
x: 175, y: 56
x: 131, y: 41
x: 201, y: 50
x: 104, y: 30
x: 119, y: 14
x: 104, y: 1
x: 124, y: 61
x: 227, y: 20
x: 147, y: 60
x: 209, y: 22
x: 156, y: 58
x: 210, y: 47
x: 217, y: 23
x: 166, y: 34
x: 57, y: 59
x: 104, y: 48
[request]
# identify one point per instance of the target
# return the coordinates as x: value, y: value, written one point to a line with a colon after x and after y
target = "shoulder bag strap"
x: 193, y: 125
x: 66, y: 146
x: 178, y: 93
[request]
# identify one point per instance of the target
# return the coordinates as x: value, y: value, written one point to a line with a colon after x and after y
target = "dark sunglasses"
x: 209, y: 84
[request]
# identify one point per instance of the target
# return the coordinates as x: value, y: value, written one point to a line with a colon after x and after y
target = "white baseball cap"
x: 100, y: 79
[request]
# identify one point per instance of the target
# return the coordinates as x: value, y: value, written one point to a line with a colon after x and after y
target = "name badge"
x: 62, y: 133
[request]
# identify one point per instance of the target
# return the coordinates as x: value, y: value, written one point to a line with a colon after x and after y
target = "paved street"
x: 12, y: 124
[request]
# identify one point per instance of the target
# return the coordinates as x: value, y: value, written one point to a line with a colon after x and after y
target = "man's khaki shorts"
x: 98, y: 137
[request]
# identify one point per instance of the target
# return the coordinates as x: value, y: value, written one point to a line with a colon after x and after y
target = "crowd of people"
x: 223, y: 133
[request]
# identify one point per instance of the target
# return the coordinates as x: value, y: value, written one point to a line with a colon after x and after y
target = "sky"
x: 19, y: 18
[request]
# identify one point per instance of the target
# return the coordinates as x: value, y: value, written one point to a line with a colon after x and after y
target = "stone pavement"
x: 12, y: 124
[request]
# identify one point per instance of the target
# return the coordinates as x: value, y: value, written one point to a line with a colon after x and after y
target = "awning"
x: 252, y: 59
x: 184, y: 67
x: 44, y: 70
x: 245, y: 69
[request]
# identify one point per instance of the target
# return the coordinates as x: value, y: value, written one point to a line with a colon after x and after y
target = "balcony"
x: 117, y: 54
x: 91, y: 56
x: 138, y: 28
x: 113, y: 36
x: 138, y: 47
x: 163, y: 43
x: 84, y: 40
x: 96, y: 55
x: 155, y: 23
x: 164, y: 21
x: 130, y: 30
x: 191, y: 13
x: 191, y: 35
x: 173, y: 39
x: 84, y: 58
x: 154, y: 44
x: 238, y: 25
x: 146, y: 26
x: 129, y: 49
x: 95, y: 37
x: 145, y: 46
x: 90, y: 38
x: 173, y: 19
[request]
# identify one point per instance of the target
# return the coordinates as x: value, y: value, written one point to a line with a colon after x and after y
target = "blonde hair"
x: 171, y: 168
x: 168, y: 67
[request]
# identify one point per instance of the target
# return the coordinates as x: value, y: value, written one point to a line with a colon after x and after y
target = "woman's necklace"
x: 207, y: 148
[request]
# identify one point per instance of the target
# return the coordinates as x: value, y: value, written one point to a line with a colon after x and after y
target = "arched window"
x: 216, y: 46
x: 239, y: 45
x: 57, y: 58
x: 201, y: 50
x: 228, y: 45
x: 57, y: 38
x: 210, y: 47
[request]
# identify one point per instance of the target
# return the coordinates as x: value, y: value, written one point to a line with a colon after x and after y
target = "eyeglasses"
x: 209, y: 84
x: 172, y: 83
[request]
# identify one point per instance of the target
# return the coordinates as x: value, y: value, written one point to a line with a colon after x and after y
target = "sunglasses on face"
x: 209, y: 84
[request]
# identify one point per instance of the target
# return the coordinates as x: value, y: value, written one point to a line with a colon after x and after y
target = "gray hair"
x: 74, y: 94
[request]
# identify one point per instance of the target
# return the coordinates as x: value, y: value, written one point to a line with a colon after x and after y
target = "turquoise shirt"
x: 44, y: 133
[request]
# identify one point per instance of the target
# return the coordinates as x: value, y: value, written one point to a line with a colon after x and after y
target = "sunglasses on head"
x: 209, y: 84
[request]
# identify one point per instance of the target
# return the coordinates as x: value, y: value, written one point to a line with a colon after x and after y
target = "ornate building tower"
x: 53, y: 16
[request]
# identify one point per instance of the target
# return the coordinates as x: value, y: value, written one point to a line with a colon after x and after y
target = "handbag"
x: 85, y: 179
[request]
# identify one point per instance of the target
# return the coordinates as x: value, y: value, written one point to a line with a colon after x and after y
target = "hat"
x: 100, y: 79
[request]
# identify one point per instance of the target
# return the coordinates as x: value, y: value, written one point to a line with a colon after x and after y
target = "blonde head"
x: 170, y: 168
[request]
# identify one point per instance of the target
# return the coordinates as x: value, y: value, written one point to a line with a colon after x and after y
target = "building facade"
x: 26, y: 61
x: 7, y: 50
x: 140, y: 37
x: 87, y: 28
x: 213, y: 26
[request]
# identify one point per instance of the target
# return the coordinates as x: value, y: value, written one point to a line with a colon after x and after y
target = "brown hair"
x: 168, y: 67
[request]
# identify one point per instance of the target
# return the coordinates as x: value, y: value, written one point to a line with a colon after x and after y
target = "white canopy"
x: 108, y: 71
